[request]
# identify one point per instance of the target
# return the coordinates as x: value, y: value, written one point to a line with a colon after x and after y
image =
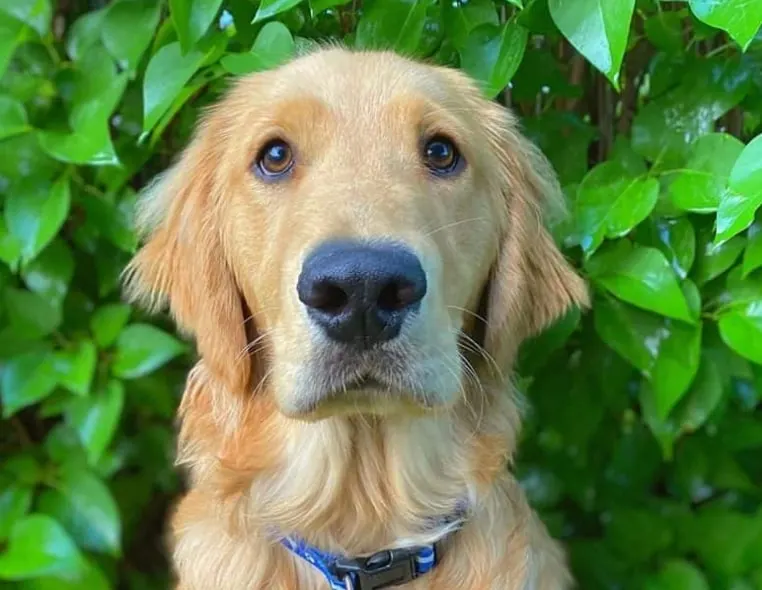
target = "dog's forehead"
x: 364, y: 83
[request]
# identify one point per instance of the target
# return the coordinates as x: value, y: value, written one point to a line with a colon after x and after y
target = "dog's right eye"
x: 274, y: 160
x: 441, y: 156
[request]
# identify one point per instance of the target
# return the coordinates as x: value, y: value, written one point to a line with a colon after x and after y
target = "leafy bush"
x: 643, y: 438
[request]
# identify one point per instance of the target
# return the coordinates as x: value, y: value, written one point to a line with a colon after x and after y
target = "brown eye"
x: 275, y: 159
x: 441, y: 156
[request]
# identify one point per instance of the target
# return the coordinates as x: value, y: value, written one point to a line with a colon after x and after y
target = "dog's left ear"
x: 182, y: 265
x: 532, y: 284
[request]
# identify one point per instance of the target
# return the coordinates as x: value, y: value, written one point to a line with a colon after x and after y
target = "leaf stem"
x: 719, y: 49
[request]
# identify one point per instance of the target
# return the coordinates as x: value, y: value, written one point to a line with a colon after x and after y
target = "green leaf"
x: 692, y: 297
x: 167, y: 73
x: 540, y: 73
x: 744, y: 193
x: 31, y: 314
x: 633, y: 334
x: 39, y: 546
x: 752, y: 256
x: 318, y: 6
x: 34, y: 213
x: 75, y: 367
x: 15, y: 501
x: 269, y: 8
x: 81, y: 147
x: 535, y: 351
x: 610, y: 202
x: 24, y: 467
x: 392, y: 24
x: 12, y: 117
x: 741, y: 329
x: 642, y: 277
x: 109, y: 263
x: 187, y: 93
x: 273, y: 46
x: 127, y: 30
x: 720, y: 537
x: 86, y: 508
x: 665, y: 30
x: 26, y: 379
x: 739, y: 293
x: 676, y: 365
x: 12, y: 34
x: 638, y: 533
x: 85, y: 33
x: 598, y: 29
x: 664, y: 431
x: 50, y: 273
x: 460, y: 18
x: 192, y: 19
x: 699, y: 186
x: 665, y: 129
x: 113, y: 219
x: 10, y: 246
x: 20, y: 155
x: 569, y: 158
x: 37, y: 14
x: 492, y: 54
x: 142, y: 348
x: 677, y: 574
x: 107, y: 322
x: 740, y: 18
x: 97, y: 91
x: 702, y: 398
x: 712, y: 259
x: 90, y: 577
x: 96, y: 418
x: 62, y: 447
x: 677, y: 240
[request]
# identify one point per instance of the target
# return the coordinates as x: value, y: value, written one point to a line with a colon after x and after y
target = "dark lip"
x: 365, y: 383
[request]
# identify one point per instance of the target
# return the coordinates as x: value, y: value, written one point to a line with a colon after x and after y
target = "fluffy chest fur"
x: 353, y: 486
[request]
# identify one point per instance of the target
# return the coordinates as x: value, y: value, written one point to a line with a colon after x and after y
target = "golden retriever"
x: 356, y: 241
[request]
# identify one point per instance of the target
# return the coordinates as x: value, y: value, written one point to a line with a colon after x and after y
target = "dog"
x: 357, y: 241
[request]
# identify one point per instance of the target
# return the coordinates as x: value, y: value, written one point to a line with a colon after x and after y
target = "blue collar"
x: 387, y: 568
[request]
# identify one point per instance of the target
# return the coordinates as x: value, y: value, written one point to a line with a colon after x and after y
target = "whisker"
x: 468, y: 311
x: 453, y: 224
x: 253, y: 315
x: 481, y: 352
x: 251, y: 347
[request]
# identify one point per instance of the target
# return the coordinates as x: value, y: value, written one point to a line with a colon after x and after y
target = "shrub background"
x: 643, y: 440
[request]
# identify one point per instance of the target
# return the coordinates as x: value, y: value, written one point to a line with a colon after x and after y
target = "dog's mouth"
x: 384, y: 380
x: 364, y: 393
x: 365, y: 383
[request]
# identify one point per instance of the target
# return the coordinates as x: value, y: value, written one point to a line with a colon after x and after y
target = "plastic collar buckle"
x: 380, y: 570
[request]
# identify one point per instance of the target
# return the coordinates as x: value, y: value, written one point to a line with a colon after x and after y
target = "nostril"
x: 328, y: 297
x: 392, y: 297
x: 398, y: 295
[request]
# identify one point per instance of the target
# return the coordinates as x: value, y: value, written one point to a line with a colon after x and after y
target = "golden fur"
x: 223, y: 250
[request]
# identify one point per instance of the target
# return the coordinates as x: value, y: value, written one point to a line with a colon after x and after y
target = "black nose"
x: 361, y: 293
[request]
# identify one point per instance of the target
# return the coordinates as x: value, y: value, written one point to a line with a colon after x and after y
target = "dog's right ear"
x: 182, y: 263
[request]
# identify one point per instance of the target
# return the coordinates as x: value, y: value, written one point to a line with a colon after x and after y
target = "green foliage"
x: 642, y: 444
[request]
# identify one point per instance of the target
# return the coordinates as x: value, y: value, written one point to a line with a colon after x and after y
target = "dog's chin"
x: 365, y: 396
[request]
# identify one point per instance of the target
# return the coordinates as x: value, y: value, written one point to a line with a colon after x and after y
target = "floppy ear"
x: 532, y: 283
x: 182, y: 263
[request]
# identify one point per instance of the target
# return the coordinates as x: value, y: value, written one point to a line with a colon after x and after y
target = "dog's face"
x: 337, y: 226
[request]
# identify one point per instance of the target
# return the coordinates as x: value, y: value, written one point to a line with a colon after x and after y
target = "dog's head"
x: 348, y: 227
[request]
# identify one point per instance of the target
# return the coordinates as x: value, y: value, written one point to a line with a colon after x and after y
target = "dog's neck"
x: 350, y: 485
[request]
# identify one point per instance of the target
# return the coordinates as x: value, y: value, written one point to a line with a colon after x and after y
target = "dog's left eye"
x: 441, y: 156
x: 275, y: 159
